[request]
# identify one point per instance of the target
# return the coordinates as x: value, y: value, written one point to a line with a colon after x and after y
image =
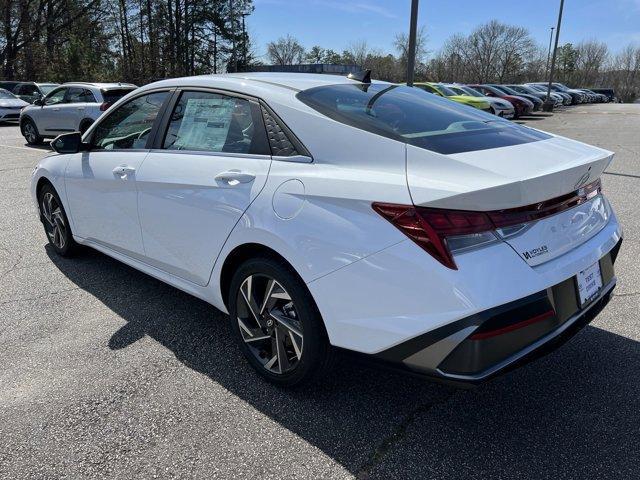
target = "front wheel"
x: 277, y: 323
x: 55, y: 221
x: 30, y: 133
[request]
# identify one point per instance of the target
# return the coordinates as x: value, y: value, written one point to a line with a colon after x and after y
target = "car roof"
x: 259, y: 80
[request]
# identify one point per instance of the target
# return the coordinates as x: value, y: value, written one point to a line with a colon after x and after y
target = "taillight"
x: 440, y: 232
x: 432, y: 229
x: 105, y: 106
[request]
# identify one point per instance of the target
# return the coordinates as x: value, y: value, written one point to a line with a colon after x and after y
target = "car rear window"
x: 115, y: 94
x: 413, y: 116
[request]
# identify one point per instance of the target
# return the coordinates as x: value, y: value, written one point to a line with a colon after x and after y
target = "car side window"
x: 80, y: 95
x: 213, y: 122
x: 128, y: 126
x: 56, y: 97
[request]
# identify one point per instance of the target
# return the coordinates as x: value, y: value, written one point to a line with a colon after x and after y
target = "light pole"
x: 411, y: 54
x: 548, y: 103
x: 546, y: 69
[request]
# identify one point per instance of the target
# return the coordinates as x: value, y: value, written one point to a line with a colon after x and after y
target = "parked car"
x: 576, y: 96
x: 443, y: 91
x: 10, y: 106
x: 537, y: 103
x: 525, y: 89
x: 68, y: 108
x: 566, y: 98
x: 499, y: 107
x: 521, y: 105
x: 322, y: 211
x: 608, y: 92
x: 32, y: 91
x: 8, y: 85
x: 596, y: 97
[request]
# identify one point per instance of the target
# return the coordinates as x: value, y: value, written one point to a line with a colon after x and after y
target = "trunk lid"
x: 516, y: 176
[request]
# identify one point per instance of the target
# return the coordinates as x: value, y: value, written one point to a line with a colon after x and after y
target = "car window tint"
x: 212, y: 122
x: 80, y: 95
x: 412, y: 116
x: 130, y: 124
x: 113, y: 95
x: 56, y: 97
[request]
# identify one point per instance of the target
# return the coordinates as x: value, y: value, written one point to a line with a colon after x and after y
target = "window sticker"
x: 205, y: 124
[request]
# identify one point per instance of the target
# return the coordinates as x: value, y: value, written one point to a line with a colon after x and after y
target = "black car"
x: 608, y: 92
x: 9, y: 85
x: 537, y: 103
x: 32, y: 91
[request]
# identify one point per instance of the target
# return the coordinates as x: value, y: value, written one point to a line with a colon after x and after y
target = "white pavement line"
x: 24, y: 148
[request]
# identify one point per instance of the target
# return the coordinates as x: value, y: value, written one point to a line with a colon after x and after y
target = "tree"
x: 316, y: 54
x: 285, y: 51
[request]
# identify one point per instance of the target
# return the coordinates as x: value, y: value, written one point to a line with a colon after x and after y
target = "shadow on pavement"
x: 573, y: 414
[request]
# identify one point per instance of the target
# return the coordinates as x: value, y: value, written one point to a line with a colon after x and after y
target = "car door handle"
x: 80, y: 108
x: 235, y: 177
x: 123, y: 171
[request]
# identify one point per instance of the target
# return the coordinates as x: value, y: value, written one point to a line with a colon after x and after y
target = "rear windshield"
x: 113, y: 95
x: 413, y: 116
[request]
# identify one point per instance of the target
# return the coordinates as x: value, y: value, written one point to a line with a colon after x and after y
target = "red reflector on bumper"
x: 512, y: 327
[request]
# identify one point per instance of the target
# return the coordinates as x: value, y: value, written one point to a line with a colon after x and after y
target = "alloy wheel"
x: 269, y: 323
x: 30, y: 132
x: 54, y: 220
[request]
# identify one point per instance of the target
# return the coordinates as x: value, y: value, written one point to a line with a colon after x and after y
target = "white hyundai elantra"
x: 325, y: 212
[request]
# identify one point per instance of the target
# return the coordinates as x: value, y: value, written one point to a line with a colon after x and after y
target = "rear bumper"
x: 479, y: 347
x: 401, y: 306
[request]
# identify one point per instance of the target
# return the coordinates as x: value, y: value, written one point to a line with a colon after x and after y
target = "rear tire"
x: 277, y: 323
x: 55, y: 222
x: 30, y: 132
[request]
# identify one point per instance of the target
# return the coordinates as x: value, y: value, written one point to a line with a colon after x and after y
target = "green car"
x: 446, y: 92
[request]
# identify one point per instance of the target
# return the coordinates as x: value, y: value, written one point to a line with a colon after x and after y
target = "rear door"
x: 209, y: 163
x: 80, y: 100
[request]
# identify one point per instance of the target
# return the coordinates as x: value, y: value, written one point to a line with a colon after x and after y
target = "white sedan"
x: 10, y: 106
x: 325, y: 213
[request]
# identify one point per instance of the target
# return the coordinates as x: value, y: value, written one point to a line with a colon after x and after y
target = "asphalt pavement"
x: 108, y: 373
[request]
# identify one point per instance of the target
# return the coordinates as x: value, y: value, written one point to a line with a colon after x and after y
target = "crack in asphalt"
x: 396, y: 436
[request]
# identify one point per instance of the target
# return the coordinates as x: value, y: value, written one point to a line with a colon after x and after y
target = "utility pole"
x: 411, y: 54
x: 546, y: 69
x: 233, y: 36
x: 548, y: 103
x: 244, y: 42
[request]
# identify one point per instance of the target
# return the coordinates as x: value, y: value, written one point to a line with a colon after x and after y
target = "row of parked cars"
x: 46, y: 110
x: 512, y: 100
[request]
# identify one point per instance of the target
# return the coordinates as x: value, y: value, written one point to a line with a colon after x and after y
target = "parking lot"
x: 107, y: 372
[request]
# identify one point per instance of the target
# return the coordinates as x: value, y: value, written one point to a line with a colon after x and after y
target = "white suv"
x: 69, y: 108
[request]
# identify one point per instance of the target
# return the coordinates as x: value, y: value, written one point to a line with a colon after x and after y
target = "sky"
x: 335, y: 24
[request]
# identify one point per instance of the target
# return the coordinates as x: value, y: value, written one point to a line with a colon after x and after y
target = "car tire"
x: 30, y: 132
x: 55, y: 222
x: 277, y: 323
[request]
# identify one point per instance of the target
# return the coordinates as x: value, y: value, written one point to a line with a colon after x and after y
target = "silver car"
x: 499, y: 107
x: 72, y: 107
x: 10, y: 106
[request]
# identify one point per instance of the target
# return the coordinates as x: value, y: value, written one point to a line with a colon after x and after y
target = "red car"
x: 521, y: 105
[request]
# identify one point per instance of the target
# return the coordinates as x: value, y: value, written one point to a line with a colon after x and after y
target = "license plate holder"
x: 588, y: 284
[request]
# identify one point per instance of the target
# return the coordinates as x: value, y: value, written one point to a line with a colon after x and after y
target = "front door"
x: 211, y: 163
x: 101, y: 183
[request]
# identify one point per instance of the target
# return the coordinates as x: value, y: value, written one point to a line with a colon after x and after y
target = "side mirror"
x: 68, y: 143
x: 38, y: 101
